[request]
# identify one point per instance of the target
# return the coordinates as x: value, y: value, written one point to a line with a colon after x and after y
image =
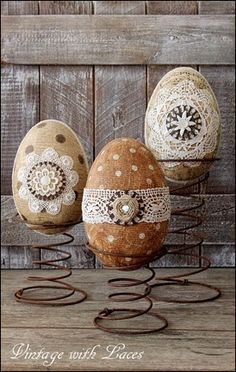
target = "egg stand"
x: 195, y: 220
x: 57, y: 281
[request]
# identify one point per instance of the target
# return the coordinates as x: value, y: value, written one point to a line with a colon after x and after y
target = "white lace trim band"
x: 126, y: 207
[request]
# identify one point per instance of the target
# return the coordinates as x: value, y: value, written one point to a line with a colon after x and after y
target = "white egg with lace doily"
x: 182, y: 124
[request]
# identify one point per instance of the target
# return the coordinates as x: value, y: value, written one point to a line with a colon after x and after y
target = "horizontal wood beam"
x: 118, y: 39
x: 218, y: 226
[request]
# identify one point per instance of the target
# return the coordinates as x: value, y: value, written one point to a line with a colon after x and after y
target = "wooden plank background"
x: 104, y: 95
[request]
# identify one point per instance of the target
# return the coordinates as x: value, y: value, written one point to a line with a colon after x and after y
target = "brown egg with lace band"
x: 126, y: 205
x: 182, y: 124
x: 49, y: 174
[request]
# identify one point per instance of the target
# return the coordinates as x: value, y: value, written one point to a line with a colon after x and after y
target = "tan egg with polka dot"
x: 49, y: 175
x: 120, y: 177
x: 182, y: 124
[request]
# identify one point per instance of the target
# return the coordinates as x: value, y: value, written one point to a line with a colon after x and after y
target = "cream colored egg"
x: 49, y: 174
x: 183, y: 123
x: 126, y: 204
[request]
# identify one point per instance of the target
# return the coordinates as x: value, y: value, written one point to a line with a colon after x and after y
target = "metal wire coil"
x: 57, y: 281
x: 174, y: 280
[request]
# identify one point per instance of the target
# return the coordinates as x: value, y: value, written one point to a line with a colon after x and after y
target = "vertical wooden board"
x: 172, y: 7
x: 20, y: 111
x: 154, y: 75
x: 22, y: 257
x: 120, y: 91
x: 119, y: 7
x: 222, y: 173
x: 220, y: 255
x: 5, y: 258
x: 120, y: 103
x: 66, y: 94
x: 65, y: 7
x: 19, y: 7
x: 217, y: 7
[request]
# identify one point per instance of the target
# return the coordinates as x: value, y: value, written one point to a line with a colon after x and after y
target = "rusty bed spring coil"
x: 180, y: 279
x: 57, y: 281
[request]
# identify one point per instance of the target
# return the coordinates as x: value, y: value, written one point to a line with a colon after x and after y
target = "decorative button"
x: 125, y: 208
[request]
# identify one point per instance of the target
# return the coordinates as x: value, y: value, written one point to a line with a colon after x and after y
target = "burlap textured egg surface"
x: 183, y: 122
x: 49, y: 174
x: 126, y: 204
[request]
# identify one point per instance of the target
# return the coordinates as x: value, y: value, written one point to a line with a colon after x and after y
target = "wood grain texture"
x: 19, y: 7
x: 66, y: 94
x: 218, y: 227
x: 132, y: 39
x: 20, y: 111
x: 172, y: 7
x: 120, y: 103
x: 217, y: 7
x: 20, y: 99
x: 119, y: 7
x: 204, y: 332
x: 220, y: 253
x: 65, y: 7
x: 222, y: 173
x: 222, y: 80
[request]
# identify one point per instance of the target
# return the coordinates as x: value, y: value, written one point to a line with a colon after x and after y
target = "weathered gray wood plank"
x: 65, y: 7
x: 19, y: 7
x: 119, y: 7
x: 217, y: 7
x: 120, y: 103
x: 132, y: 39
x: 220, y: 253
x: 172, y: 7
x: 222, y: 174
x: 98, y: 297
x: 218, y: 226
x: 20, y: 101
x: 66, y: 94
x: 204, y: 332
x: 204, y: 349
x: 19, y: 113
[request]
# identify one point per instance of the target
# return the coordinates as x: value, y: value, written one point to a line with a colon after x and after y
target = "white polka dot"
x: 110, y: 238
x: 151, y: 167
x: 149, y: 251
x: 132, y: 150
x: 141, y: 236
x: 115, y: 157
x: 149, y: 181
x: 118, y: 173
x: 100, y: 168
x: 158, y: 226
x: 143, y: 148
x: 124, y: 139
x: 134, y: 168
x: 101, y: 186
x: 128, y: 259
